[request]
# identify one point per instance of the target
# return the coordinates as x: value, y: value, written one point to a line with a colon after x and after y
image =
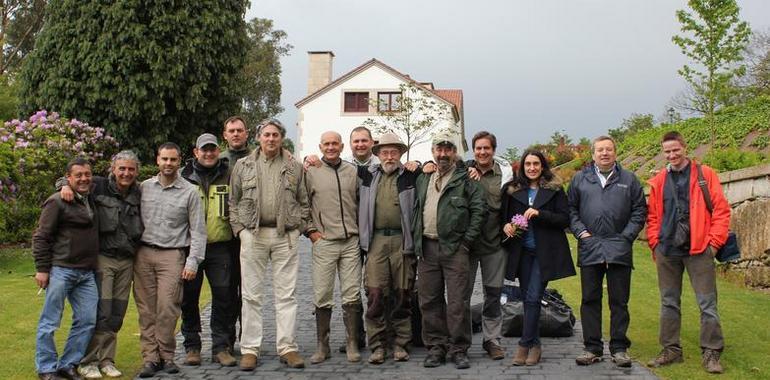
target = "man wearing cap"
x: 173, y: 225
x: 333, y: 194
x: 210, y: 175
x: 385, y: 218
x: 449, y: 214
x: 268, y: 210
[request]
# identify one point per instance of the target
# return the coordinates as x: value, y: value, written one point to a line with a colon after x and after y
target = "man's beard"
x: 389, y: 167
x: 444, y: 163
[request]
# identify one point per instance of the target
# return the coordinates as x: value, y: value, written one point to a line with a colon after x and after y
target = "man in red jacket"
x: 683, y: 234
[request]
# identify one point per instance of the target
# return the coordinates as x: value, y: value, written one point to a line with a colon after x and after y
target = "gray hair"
x: 128, y: 155
x: 274, y: 122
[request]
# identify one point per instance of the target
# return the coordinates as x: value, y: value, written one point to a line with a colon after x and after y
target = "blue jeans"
x: 79, y: 286
x: 532, y: 288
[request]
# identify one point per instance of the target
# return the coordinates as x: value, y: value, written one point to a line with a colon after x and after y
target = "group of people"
x: 375, y: 223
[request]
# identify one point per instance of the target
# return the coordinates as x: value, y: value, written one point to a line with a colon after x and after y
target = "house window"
x: 356, y: 102
x: 388, y: 101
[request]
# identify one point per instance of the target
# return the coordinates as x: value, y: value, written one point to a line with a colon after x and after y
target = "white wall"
x: 326, y: 113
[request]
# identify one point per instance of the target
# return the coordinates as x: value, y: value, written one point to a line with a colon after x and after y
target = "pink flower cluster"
x: 520, y: 222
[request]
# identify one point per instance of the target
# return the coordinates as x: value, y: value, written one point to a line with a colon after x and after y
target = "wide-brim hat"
x: 389, y: 139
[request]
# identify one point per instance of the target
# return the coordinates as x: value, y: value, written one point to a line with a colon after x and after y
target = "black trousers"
x: 219, y: 270
x: 618, y: 290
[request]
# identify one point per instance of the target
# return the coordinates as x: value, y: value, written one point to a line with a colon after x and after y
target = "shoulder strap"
x: 704, y: 189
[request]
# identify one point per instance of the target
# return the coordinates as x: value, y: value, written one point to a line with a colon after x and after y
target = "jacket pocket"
x: 460, y: 214
x: 108, y: 210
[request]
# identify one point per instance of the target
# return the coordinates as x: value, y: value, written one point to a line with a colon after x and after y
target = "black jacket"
x: 551, y: 244
x: 614, y: 215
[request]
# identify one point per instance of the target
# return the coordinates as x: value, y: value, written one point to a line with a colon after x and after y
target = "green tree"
x: 415, y: 115
x: 260, y: 83
x: 634, y: 123
x: 9, y: 101
x: 146, y: 71
x: 20, y: 22
x: 511, y: 154
x: 713, y: 37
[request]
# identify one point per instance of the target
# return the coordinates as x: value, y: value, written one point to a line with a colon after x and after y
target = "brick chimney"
x: 319, y: 69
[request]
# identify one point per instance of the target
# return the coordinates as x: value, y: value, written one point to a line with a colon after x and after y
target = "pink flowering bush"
x: 33, y: 154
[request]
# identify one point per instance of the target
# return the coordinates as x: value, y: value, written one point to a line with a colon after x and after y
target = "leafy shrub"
x: 733, y: 159
x: 33, y: 153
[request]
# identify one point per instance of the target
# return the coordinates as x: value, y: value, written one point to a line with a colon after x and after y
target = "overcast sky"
x: 527, y: 68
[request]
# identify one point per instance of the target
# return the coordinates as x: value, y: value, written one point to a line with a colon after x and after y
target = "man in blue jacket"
x: 607, y: 212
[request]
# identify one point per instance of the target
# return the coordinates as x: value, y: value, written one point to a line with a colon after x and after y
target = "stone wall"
x: 748, y: 191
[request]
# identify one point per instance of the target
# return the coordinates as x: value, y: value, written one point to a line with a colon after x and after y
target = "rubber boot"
x: 323, y: 318
x: 352, y: 316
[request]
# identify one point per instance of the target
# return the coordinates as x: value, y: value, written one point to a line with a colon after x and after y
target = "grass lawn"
x: 19, y: 312
x: 744, y: 314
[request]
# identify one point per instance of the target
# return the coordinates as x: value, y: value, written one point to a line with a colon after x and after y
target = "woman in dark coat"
x: 539, y: 253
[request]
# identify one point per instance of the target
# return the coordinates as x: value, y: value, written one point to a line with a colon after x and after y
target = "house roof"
x: 454, y: 97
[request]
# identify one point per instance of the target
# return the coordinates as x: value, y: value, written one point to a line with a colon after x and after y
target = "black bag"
x: 730, y: 251
x: 556, y: 317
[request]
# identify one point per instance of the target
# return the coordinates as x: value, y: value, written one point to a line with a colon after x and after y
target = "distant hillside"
x: 742, y: 139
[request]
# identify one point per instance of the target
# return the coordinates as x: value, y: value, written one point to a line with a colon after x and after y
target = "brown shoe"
x: 588, y: 358
x: 400, y: 354
x: 520, y: 358
x: 193, y: 357
x: 293, y: 360
x: 533, y: 357
x: 494, y: 350
x: 224, y: 358
x: 249, y: 362
x: 378, y: 356
x: 711, y: 361
x: 665, y: 357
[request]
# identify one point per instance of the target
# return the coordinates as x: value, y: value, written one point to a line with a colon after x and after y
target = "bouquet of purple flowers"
x: 520, y: 223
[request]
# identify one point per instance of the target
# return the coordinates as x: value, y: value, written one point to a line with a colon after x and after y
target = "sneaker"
x: 90, y: 371
x: 621, y: 359
x: 225, y: 359
x: 461, y: 360
x: 149, y: 369
x: 711, y: 361
x: 378, y: 356
x: 588, y: 358
x: 494, y: 350
x: 292, y: 359
x: 170, y: 367
x: 665, y: 357
x: 109, y: 370
x: 193, y: 357
x: 400, y: 354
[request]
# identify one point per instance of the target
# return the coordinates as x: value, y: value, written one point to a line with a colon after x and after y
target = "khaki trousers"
x: 113, y: 279
x: 330, y: 258
x: 389, y: 282
x: 256, y: 251
x: 158, y: 296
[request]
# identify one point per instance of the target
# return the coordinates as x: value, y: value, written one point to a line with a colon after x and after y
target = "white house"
x: 344, y: 103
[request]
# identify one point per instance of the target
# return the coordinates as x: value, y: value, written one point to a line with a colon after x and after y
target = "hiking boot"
x: 461, y: 360
x: 352, y: 318
x: 378, y: 356
x: 323, y: 317
x: 225, y: 359
x: 90, y: 371
x: 621, y: 359
x: 435, y: 358
x: 711, y: 361
x: 170, y: 367
x: 400, y: 354
x: 665, y: 357
x: 69, y: 373
x: 588, y: 358
x: 109, y: 370
x: 193, y: 357
x: 494, y: 350
x: 520, y: 358
x: 149, y: 369
x: 533, y: 357
x: 249, y: 362
x: 292, y: 359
